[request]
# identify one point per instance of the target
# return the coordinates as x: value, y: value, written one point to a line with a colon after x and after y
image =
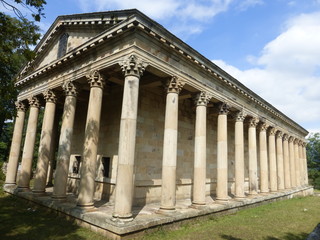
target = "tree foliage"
x: 33, y: 6
x: 313, y: 156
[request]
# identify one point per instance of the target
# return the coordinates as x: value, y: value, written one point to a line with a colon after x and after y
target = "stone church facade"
x: 144, y: 118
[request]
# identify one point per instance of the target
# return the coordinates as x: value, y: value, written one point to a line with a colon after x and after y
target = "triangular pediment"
x: 71, y: 31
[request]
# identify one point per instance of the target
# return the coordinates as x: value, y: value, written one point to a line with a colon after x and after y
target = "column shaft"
x: 253, y: 165
x: 272, y: 161
x: 125, y: 178
x: 297, y: 162
x: 280, y: 173
x: 45, y: 143
x: 302, y: 171
x: 264, y: 179
x: 200, y: 151
x: 90, y: 146
x: 27, y: 155
x: 286, y: 161
x: 222, y: 154
x: 292, y: 163
x: 15, y: 146
x: 64, y: 148
x: 169, y: 162
x: 305, y: 164
x: 239, y: 156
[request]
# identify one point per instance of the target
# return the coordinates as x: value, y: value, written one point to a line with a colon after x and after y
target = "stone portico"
x: 145, y: 120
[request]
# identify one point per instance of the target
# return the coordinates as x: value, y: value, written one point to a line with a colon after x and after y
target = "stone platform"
x: 148, y: 217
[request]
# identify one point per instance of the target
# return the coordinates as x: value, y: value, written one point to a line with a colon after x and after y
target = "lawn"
x: 289, y: 219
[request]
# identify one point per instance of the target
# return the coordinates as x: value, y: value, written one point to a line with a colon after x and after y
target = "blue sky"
x: 272, y: 46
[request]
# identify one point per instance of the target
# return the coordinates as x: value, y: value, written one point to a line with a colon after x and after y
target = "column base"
x: 253, y: 192
x: 39, y: 192
x: 122, y: 218
x: 166, y: 210
x: 22, y: 189
x: 9, y: 186
x: 223, y: 199
x: 197, y: 205
x: 87, y: 206
x: 240, y: 197
x: 59, y: 197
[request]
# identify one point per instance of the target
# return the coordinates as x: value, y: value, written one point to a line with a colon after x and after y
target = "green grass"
x: 26, y: 221
x: 290, y: 219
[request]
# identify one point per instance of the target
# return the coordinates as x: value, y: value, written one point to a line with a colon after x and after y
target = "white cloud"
x: 244, y: 5
x: 287, y: 72
x: 183, y: 17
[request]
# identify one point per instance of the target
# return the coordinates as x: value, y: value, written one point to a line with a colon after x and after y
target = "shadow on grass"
x: 22, y: 220
x: 287, y: 236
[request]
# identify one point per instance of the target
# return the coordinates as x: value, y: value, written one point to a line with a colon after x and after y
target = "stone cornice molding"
x: 202, y: 99
x: 95, y: 79
x: 20, y: 106
x: 70, y: 88
x: 50, y: 96
x: 224, y: 108
x: 239, y: 116
x: 253, y: 122
x: 133, y: 66
x: 34, y: 102
x: 174, y: 85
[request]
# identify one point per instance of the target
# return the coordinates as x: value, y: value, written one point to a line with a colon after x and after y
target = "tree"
x: 313, y: 156
x: 16, y: 38
x: 14, y: 5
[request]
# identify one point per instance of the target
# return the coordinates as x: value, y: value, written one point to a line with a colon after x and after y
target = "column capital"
x: 304, y: 144
x: 296, y: 141
x: 20, y: 106
x: 263, y: 127
x: 174, y: 85
x: 70, y: 88
x: 272, y: 131
x: 300, y: 143
x: 202, y: 99
x: 34, y: 102
x: 224, y: 108
x: 239, y: 116
x: 253, y: 122
x: 285, y: 137
x: 95, y: 79
x: 291, y: 139
x: 279, y: 134
x: 49, y: 96
x: 133, y: 66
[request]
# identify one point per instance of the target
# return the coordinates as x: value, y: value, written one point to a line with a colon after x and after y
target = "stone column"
x: 222, y: 154
x: 304, y: 153
x: 280, y: 173
x: 27, y: 155
x: 302, y: 170
x: 15, y: 146
x: 64, y: 148
x: 264, y: 178
x: 133, y: 69
x: 297, y: 161
x: 91, y: 137
x: 272, y: 161
x: 200, y: 150
x: 40, y: 179
x: 239, y: 155
x: 253, y: 161
x: 286, y: 162
x: 170, y: 141
x: 292, y: 163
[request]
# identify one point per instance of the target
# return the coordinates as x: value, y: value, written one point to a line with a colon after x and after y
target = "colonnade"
x: 282, y: 158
